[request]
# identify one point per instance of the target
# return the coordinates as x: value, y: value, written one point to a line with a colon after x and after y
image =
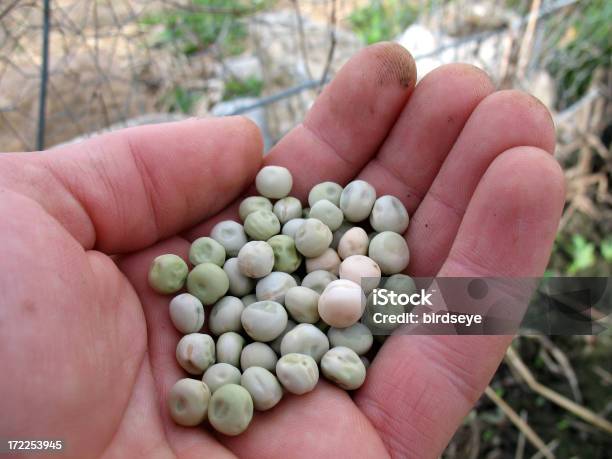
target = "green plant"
x: 250, y: 87
x: 586, y: 48
x: 582, y: 253
x: 382, y: 19
x: 606, y: 249
x: 180, y: 99
x: 193, y: 29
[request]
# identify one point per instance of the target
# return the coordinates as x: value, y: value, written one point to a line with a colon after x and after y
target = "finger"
x: 162, y: 339
x: 420, y: 387
x: 125, y: 190
x: 503, y: 120
x: 426, y: 130
x: 346, y: 125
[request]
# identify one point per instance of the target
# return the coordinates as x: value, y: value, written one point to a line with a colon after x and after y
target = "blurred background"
x: 73, y: 68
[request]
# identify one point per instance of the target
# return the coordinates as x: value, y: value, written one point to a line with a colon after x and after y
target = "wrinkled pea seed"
x: 400, y: 283
x: 220, y: 374
x: 342, y: 303
x: 298, y: 373
x: 253, y: 204
x: 188, y: 402
x: 274, y: 286
x: 305, y: 339
x: 302, y: 304
x: 328, y: 213
x: 325, y: 190
x: 343, y: 366
x: 239, y: 284
x: 263, y: 386
x: 167, y: 273
x: 318, y: 280
x: 186, y: 313
x: 229, y: 348
x: 225, y: 315
x: 291, y: 227
x: 312, y: 237
x: 261, y: 225
x: 258, y: 355
x: 390, y: 251
x: 256, y: 259
x: 286, y: 257
x: 230, y: 409
x: 357, y: 200
x: 389, y: 214
x: 207, y: 282
x: 362, y: 270
x: 230, y: 235
x: 195, y: 353
x: 287, y: 209
x: 206, y: 250
x: 274, y: 182
x: 355, y: 241
x: 265, y: 320
x: 357, y: 337
x: 327, y: 261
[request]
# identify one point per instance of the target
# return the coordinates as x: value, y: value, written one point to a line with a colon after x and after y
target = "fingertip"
x: 525, y: 113
x: 393, y: 63
x: 511, y: 222
x: 532, y: 168
x: 461, y: 76
x: 250, y: 132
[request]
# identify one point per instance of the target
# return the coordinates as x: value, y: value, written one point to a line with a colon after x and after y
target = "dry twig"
x: 515, y: 362
x: 529, y: 433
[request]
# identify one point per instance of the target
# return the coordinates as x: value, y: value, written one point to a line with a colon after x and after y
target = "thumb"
x: 125, y: 190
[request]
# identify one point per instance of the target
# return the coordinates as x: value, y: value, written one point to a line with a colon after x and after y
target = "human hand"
x: 88, y: 348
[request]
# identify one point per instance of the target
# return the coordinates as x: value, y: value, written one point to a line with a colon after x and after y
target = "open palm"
x: 87, y: 348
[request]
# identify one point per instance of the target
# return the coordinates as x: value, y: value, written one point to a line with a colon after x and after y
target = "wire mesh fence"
x: 133, y: 61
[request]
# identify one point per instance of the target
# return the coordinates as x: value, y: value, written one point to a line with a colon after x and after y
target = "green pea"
x: 357, y: 337
x: 326, y: 190
x: 400, y: 283
x: 261, y: 225
x: 312, y: 238
x: 357, y: 200
x: 167, y: 273
x: 344, y: 367
x: 286, y: 257
x: 390, y: 251
x: 274, y: 182
x: 328, y: 213
x: 207, y: 282
x: 253, y: 204
x: 287, y: 208
x: 206, y: 250
x: 188, y: 402
x: 230, y: 409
